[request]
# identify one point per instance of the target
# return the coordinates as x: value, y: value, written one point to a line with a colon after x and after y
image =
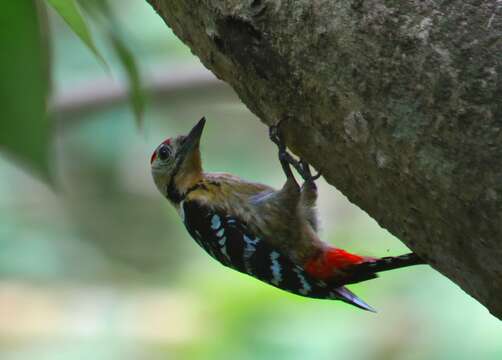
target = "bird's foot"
x: 285, y: 158
x: 305, y: 172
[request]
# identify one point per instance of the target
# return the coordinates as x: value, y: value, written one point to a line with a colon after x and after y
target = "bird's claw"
x: 305, y: 172
x: 273, y: 133
x: 286, y: 159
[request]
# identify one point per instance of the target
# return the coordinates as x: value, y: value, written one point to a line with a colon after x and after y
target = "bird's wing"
x: 234, y: 182
x: 229, y: 240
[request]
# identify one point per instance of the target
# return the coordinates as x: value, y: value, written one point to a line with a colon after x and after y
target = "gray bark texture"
x: 397, y: 102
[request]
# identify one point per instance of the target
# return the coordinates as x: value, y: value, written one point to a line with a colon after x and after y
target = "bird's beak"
x: 193, y: 138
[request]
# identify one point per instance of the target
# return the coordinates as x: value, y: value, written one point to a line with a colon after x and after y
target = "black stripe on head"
x: 173, y: 194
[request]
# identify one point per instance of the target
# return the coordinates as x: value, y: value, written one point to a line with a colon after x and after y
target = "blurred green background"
x: 104, y: 269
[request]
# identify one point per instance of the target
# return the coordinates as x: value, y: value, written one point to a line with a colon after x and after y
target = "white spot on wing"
x: 223, y: 244
x: 215, y: 222
x: 220, y: 232
x: 249, y: 250
x: 276, y: 268
x: 250, y: 245
x: 224, y: 252
x: 181, y: 211
x: 248, y: 240
x: 305, y: 284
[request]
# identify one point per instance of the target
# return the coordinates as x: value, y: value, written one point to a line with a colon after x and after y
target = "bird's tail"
x: 392, y: 262
x: 368, y: 269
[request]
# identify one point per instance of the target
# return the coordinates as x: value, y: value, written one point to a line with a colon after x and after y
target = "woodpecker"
x: 260, y: 231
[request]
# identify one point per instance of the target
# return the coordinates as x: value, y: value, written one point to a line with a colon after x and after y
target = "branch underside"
x: 398, y: 103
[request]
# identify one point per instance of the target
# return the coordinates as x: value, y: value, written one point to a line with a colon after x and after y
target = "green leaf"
x: 96, y: 7
x: 136, y: 94
x: 24, y: 85
x: 70, y: 12
x: 103, y: 14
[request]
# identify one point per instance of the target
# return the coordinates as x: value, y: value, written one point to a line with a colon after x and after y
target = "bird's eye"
x: 164, y: 152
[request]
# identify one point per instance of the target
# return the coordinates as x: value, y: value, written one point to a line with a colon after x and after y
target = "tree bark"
x: 397, y: 102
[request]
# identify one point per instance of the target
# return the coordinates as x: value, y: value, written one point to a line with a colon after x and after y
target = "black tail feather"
x: 368, y: 270
x: 392, y: 262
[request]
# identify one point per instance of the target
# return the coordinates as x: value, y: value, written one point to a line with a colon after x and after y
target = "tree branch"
x: 399, y: 103
x: 106, y: 91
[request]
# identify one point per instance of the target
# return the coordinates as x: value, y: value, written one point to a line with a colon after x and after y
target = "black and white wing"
x: 230, y: 241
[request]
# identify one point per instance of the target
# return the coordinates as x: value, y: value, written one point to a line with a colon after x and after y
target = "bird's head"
x: 176, y: 164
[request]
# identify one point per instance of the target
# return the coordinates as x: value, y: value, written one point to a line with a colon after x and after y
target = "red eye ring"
x: 153, y: 157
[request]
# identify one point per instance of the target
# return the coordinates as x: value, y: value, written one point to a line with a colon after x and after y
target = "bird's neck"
x: 186, y: 177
